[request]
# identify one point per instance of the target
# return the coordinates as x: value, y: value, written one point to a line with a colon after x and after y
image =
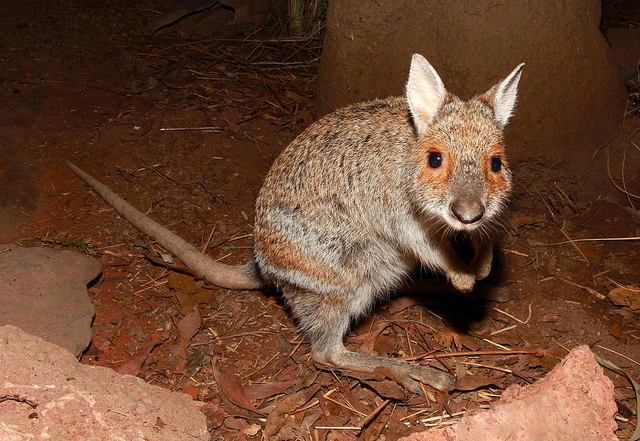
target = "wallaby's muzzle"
x: 467, y: 210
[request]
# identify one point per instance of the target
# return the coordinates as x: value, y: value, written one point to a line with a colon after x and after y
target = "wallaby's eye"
x: 435, y: 160
x: 496, y: 164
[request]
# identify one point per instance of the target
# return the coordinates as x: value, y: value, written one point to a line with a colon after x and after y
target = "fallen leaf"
x: 186, y: 301
x: 398, y: 429
x: 181, y: 283
x: 132, y: 367
x: 184, y: 286
x: 284, y: 347
x: 626, y: 296
x: 357, y: 400
x: 192, y: 391
x: 547, y: 358
x: 277, y: 417
x: 375, y: 423
x: 205, y: 296
x: 469, y: 342
x: 236, y: 424
x: 455, y: 407
x: 214, y: 413
x: 447, y: 338
x: 233, y: 390
x: 310, y: 419
x: 385, y: 345
x: 365, y: 326
x: 510, y: 338
x: 368, y: 340
x: 189, y: 326
x: 305, y: 381
x: 616, y: 330
x: 194, y: 361
x: 473, y: 382
x: 288, y: 431
x: 252, y: 430
x: 387, y: 389
x: 260, y: 391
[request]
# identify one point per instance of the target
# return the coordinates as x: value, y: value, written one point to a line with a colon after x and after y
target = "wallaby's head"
x: 461, y: 172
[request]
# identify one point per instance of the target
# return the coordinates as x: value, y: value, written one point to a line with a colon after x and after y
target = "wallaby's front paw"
x: 482, y: 262
x: 483, y: 270
x: 463, y: 282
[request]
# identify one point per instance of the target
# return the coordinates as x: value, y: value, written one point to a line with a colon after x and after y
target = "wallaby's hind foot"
x: 402, y: 372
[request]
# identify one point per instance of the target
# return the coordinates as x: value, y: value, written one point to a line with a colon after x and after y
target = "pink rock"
x: 44, y: 293
x: 49, y: 395
x: 573, y: 402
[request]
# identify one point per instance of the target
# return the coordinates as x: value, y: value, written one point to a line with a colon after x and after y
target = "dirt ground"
x: 186, y: 132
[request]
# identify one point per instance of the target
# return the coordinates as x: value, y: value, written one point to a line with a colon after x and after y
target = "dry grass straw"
x: 591, y: 291
x: 557, y: 201
x: 595, y: 239
x: 623, y: 186
x: 632, y: 107
x: 522, y: 322
x: 229, y: 76
x: 636, y: 387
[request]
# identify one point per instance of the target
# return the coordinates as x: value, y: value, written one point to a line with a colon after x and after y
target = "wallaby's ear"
x: 502, y: 96
x: 425, y: 92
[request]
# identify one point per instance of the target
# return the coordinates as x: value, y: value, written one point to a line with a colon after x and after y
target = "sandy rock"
x: 574, y: 401
x: 55, y: 397
x: 44, y: 293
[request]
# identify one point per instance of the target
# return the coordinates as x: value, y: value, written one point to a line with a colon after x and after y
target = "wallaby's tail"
x: 226, y: 276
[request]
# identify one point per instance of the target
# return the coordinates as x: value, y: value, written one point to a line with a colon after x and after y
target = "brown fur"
x: 288, y: 254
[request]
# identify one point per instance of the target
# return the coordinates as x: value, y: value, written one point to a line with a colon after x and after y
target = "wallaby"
x: 361, y: 197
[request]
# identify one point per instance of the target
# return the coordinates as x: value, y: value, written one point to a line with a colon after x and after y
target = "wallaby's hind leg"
x: 325, y: 318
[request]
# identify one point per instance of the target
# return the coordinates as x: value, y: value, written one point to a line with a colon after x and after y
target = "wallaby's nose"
x: 467, y: 211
